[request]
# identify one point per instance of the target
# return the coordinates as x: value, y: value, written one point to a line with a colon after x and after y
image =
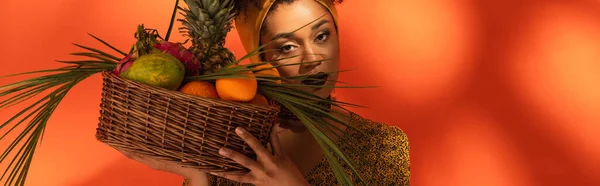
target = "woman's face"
x: 314, y: 42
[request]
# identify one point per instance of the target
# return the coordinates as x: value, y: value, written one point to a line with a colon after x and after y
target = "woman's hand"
x: 277, y: 169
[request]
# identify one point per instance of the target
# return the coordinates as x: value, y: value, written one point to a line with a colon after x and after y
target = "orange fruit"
x: 237, y: 89
x: 270, y: 72
x: 200, y: 88
x: 259, y: 99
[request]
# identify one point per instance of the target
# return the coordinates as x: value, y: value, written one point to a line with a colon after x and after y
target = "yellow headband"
x: 248, y: 24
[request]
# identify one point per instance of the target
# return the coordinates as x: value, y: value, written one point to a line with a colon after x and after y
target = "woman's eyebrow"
x: 283, y: 35
x: 319, y: 24
x: 291, y: 35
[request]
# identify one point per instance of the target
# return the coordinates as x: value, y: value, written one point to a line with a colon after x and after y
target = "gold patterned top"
x: 385, y: 159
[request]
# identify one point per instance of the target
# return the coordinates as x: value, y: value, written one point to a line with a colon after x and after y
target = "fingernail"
x: 240, y: 130
x: 224, y: 151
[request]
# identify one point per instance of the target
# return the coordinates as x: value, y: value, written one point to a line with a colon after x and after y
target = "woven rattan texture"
x: 177, y: 127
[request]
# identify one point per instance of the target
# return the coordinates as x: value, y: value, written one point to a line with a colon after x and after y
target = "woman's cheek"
x: 333, y: 49
x: 288, y: 71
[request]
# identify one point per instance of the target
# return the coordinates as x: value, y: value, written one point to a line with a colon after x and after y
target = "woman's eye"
x: 322, y: 37
x: 287, y: 48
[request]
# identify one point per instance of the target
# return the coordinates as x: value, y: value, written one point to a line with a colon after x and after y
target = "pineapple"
x: 207, y: 23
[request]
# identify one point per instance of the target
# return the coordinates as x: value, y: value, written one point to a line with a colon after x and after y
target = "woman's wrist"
x: 200, y: 179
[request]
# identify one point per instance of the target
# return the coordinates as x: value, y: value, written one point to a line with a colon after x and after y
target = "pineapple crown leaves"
x: 207, y: 20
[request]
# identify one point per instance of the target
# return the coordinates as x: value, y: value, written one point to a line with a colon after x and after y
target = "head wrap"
x: 249, y: 23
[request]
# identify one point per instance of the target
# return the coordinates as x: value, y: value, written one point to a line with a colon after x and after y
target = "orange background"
x: 489, y: 92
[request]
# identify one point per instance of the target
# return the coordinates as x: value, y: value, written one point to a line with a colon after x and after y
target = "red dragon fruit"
x: 177, y: 50
x: 125, y: 63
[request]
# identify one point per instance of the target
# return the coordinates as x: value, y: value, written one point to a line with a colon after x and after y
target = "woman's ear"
x: 332, y: 95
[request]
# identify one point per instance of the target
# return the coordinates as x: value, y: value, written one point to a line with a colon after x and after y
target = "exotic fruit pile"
x: 166, y: 64
x: 176, y: 103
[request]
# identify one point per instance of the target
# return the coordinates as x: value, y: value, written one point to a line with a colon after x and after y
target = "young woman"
x: 297, y: 159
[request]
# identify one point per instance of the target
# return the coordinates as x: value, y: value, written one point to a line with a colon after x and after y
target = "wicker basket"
x: 177, y: 127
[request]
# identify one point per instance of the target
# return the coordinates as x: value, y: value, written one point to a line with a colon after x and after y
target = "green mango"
x: 157, y: 69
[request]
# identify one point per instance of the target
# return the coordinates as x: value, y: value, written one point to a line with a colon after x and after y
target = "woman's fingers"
x: 246, y: 178
x: 258, y: 148
x: 240, y: 158
x: 275, y: 145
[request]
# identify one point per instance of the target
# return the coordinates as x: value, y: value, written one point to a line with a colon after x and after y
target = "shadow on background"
x: 480, y: 129
x: 544, y: 154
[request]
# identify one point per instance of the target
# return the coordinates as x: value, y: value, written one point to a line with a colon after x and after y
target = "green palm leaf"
x: 314, y: 109
x: 172, y: 21
x: 38, y: 113
x: 98, y: 52
x: 108, y: 45
x: 331, y: 149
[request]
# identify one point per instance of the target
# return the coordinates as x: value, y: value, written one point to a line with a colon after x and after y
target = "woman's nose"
x: 310, y: 59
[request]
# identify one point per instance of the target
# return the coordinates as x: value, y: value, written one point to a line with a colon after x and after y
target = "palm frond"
x: 89, y: 64
x: 22, y: 120
x: 310, y: 105
x: 21, y: 162
x: 52, y: 80
x: 27, y: 94
x: 39, y: 123
x: 304, y: 96
x: 331, y: 150
x: 172, y: 21
x: 101, y: 53
x: 61, y: 80
x: 321, y: 86
x: 108, y: 45
x: 30, y: 72
x: 304, y: 106
x: 95, y: 55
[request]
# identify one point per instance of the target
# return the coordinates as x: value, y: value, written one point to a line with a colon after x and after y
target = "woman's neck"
x: 302, y: 148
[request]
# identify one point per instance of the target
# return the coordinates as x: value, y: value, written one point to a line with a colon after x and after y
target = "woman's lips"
x: 316, y: 79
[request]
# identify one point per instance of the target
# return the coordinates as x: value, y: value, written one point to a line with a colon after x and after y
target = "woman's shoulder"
x: 382, y: 156
x: 377, y: 129
x: 381, y: 138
